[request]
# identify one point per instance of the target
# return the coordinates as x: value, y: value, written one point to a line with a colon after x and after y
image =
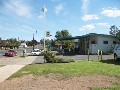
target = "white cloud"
x: 90, y: 17
x: 59, y: 8
x: 85, y: 6
x: 103, y: 24
x: 19, y: 7
x: 87, y: 27
x: 111, y: 12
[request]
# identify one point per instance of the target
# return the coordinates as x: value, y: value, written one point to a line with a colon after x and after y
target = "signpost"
x: 47, y: 33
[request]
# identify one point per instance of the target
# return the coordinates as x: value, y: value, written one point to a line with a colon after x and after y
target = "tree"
x: 58, y: 34
x: 118, y: 35
x: 42, y: 41
x: 113, y: 30
x: 62, y: 34
x: 65, y: 33
x: 32, y: 43
x: 12, y: 43
x: 64, y: 43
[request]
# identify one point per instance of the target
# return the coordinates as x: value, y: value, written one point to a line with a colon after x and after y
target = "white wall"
x: 93, y: 47
x: 76, y: 40
x: 101, y: 46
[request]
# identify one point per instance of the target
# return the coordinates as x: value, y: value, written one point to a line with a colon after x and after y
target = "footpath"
x: 12, y: 65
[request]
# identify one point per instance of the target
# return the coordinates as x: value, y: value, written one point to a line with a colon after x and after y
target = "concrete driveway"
x: 12, y: 65
x: 21, y: 61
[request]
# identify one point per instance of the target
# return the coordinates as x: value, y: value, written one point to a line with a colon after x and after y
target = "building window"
x: 93, y: 42
x: 105, y: 42
x: 114, y: 42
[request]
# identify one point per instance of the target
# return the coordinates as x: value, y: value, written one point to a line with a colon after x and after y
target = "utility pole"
x: 33, y: 41
x: 44, y: 10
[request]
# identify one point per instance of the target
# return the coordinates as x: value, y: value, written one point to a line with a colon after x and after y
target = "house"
x: 94, y: 42
x: 23, y: 45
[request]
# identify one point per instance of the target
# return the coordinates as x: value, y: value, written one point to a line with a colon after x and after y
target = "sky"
x: 22, y: 18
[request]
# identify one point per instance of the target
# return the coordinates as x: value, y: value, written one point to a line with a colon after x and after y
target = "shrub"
x: 61, y: 60
x: 49, y: 56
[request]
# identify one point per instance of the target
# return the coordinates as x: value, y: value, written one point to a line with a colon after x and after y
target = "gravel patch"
x: 57, y: 82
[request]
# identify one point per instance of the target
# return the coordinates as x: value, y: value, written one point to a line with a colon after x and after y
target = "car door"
x: 118, y: 52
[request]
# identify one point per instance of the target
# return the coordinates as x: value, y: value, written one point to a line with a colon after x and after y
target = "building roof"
x: 85, y: 36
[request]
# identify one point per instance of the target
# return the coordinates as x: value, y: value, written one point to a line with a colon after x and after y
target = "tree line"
x: 13, y: 42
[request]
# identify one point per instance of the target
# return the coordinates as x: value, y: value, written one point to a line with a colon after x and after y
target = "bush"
x: 61, y: 60
x: 49, y: 56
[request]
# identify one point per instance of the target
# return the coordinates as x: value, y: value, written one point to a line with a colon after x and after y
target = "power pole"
x: 33, y: 41
x: 44, y: 10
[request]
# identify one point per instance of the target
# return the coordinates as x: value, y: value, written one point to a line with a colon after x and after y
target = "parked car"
x: 11, y: 53
x: 116, y: 52
x: 36, y: 52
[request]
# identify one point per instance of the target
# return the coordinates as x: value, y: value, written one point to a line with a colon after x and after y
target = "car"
x: 36, y: 52
x: 116, y: 52
x: 11, y: 53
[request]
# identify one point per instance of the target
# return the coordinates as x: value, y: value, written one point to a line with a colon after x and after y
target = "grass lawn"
x: 104, y: 67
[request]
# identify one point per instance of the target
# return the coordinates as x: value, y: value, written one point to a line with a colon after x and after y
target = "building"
x: 23, y: 45
x: 94, y: 42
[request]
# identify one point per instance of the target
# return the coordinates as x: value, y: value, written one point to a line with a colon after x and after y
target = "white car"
x: 117, y: 52
x: 36, y: 52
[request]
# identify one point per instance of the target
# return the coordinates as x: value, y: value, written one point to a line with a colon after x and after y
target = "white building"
x: 94, y: 42
x: 23, y: 45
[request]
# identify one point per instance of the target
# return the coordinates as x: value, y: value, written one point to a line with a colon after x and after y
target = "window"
x: 105, y: 42
x: 93, y: 42
x: 114, y: 42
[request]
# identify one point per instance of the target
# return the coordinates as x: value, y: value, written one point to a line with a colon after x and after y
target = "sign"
x: 47, y: 34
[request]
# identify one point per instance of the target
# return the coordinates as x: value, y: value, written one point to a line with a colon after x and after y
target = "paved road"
x: 39, y: 59
x: 2, y: 53
x: 19, y: 52
x: 85, y: 57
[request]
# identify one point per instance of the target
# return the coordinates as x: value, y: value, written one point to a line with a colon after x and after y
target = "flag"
x: 36, y: 31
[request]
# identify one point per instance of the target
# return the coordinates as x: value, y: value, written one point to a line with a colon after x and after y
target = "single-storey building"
x: 23, y: 45
x: 93, y: 42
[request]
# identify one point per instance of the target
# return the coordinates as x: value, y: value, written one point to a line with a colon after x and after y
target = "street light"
x: 44, y: 10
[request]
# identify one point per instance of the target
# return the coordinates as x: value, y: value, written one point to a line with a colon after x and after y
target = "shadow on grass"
x: 111, y: 61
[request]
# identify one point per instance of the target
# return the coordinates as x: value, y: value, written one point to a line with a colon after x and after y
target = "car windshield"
x: 36, y: 51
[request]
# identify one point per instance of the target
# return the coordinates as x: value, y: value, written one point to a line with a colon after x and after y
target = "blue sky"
x: 21, y: 18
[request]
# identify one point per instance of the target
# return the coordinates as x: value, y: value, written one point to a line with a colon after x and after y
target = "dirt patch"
x: 57, y: 82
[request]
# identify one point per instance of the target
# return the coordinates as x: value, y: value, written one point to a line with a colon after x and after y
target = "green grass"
x: 107, y: 88
x: 23, y: 56
x: 104, y: 67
